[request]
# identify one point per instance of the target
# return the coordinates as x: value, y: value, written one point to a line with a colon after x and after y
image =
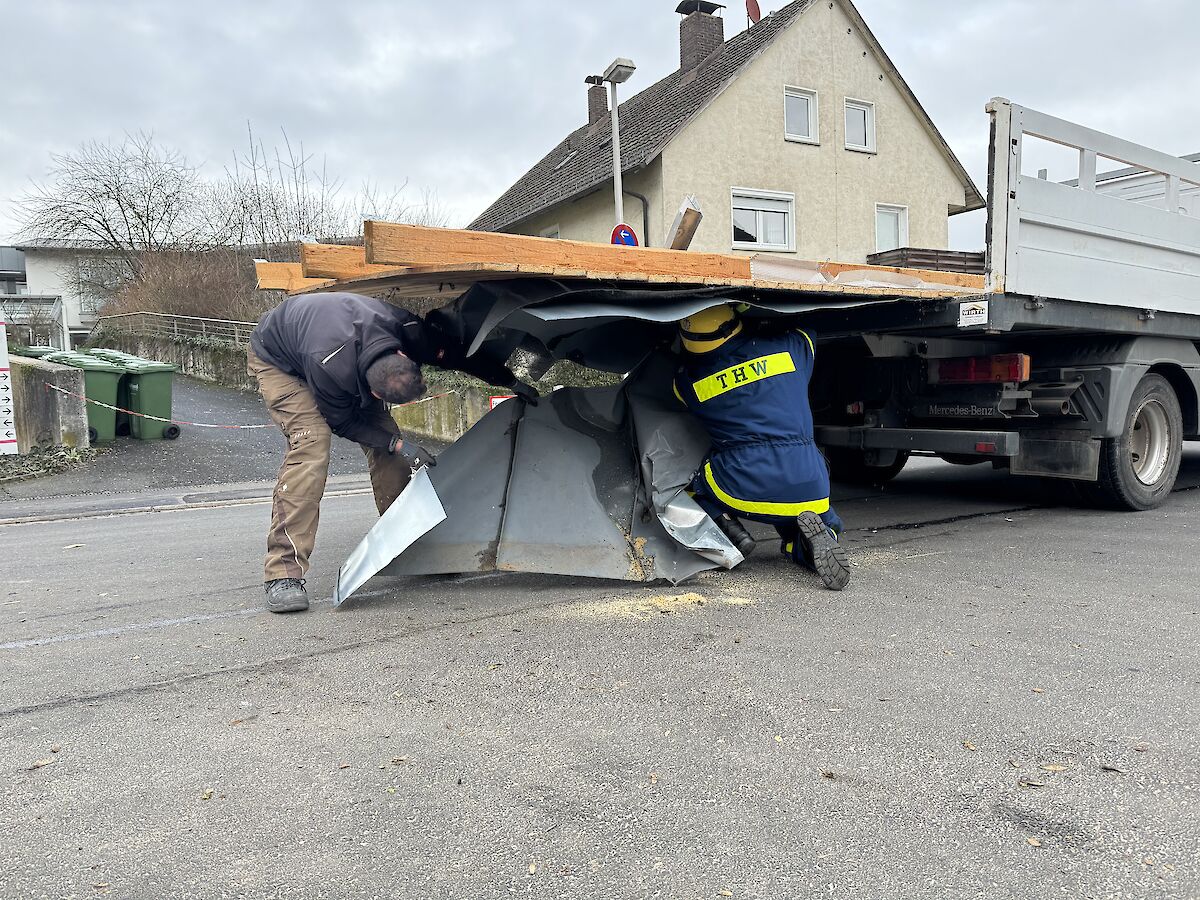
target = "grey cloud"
x: 462, y: 97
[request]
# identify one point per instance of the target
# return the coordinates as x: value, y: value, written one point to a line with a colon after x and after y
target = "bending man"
x: 327, y: 364
x: 748, y: 385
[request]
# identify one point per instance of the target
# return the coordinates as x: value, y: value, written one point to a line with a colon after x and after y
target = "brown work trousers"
x: 296, y: 503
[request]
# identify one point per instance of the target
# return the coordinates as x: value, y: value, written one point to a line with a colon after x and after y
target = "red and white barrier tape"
x: 130, y: 412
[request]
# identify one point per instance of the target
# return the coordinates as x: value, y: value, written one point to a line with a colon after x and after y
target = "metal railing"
x: 163, y: 325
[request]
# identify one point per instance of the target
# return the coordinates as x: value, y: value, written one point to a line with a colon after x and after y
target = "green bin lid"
x: 147, y: 367
x: 84, y: 361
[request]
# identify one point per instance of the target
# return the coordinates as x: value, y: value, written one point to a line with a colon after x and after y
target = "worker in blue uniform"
x: 748, y: 384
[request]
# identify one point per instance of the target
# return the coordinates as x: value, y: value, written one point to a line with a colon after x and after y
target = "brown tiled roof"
x: 649, y: 121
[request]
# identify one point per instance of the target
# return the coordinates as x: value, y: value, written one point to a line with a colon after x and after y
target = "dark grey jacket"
x: 329, y: 340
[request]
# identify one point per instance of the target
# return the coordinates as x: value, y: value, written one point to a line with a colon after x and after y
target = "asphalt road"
x: 1005, y: 703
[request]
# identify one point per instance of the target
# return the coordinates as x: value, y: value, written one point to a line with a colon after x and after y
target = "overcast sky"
x: 461, y: 96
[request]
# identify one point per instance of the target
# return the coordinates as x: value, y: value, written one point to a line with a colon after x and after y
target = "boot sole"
x: 299, y: 604
x: 829, y: 559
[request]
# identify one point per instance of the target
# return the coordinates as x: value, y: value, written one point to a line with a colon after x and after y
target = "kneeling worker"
x: 748, y: 385
x: 326, y: 364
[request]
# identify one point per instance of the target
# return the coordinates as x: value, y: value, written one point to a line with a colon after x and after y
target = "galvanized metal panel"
x: 1069, y: 242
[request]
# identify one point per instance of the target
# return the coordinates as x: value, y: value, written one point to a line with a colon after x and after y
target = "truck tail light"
x: 1007, y: 367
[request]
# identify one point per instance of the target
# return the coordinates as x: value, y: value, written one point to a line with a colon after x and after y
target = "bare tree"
x: 153, y: 223
x: 285, y: 194
x: 127, y: 198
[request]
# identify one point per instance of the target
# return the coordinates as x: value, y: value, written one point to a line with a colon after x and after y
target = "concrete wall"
x: 739, y: 142
x: 223, y: 364
x: 46, y: 418
x: 443, y: 418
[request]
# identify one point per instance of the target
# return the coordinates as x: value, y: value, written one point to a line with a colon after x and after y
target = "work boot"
x: 825, y: 554
x: 737, y: 534
x: 286, y: 595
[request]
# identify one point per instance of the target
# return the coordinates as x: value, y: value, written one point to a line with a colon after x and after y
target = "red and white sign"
x: 497, y: 399
x: 8, y: 417
x: 624, y: 236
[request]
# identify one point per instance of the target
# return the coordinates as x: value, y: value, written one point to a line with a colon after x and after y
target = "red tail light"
x: 1008, y: 367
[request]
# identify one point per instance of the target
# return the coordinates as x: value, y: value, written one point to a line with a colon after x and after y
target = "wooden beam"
x: 451, y: 280
x: 337, y: 261
x: 286, y: 277
x: 414, y: 245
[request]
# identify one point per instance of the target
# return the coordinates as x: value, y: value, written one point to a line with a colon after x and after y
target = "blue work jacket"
x: 751, y: 394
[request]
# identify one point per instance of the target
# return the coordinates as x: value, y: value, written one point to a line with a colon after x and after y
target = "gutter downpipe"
x: 645, y: 215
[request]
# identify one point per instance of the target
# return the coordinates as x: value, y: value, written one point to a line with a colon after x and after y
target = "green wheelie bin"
x: 150, y: 395
x: 119, y: 358
x: 101, y: 382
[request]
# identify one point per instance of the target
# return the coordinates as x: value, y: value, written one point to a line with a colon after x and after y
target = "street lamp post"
x: 618, y: 73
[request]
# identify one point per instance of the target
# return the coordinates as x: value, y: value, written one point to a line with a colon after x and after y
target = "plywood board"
x: 782, y: 268
x: 416, y: 245
x: 286, y: 277
x: 338, y: 261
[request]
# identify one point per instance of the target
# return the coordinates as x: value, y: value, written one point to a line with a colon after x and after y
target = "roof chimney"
x: 700, y: 33
x: 597, y: 99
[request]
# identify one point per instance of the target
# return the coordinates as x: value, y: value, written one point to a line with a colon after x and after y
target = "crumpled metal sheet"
x: 416, y: 511
x: 561, y: 489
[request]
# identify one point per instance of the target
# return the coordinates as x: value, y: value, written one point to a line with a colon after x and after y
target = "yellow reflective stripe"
x: 743, y: 374
x: 763, y: 509
x: 678, y: 396
x: 811, y: 346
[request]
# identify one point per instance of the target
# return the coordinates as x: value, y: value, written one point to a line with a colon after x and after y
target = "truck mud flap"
x: 1057, y: 457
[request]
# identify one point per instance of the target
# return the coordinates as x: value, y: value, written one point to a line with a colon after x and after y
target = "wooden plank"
x: 451, y: 281
x: 337, y: 261
x: 415, y: 245
x: 286, y: 277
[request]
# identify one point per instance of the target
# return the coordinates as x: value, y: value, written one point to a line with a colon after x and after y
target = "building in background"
x: 31, y: 317
x: 798, y: 136
x: 78, y: 273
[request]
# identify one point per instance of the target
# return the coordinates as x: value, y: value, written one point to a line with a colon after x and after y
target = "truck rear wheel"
x: 1139, y: 468
x: 850, y: 467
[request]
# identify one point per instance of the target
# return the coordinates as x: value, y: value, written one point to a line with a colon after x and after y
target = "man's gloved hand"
x: 416, y: 455
x: 525, y: 391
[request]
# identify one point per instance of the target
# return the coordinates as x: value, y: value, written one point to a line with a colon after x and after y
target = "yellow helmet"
x: 709, y: 329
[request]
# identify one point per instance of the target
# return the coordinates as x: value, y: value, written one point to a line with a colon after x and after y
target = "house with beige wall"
x: 797, y: 136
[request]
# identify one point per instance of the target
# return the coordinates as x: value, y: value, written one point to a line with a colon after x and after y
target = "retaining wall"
x: 46, y: 418
x: 205, y: 360
x: 443, y: 418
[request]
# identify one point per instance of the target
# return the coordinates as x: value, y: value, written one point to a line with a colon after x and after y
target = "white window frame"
x: 869, y: 108
x: 554, y: 232
x: 814, y: 115
x: 892, y: 207
x: 757, y: 194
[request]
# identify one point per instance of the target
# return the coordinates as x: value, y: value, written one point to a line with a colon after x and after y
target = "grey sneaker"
x: 827, y: 555
x: 286, y: 595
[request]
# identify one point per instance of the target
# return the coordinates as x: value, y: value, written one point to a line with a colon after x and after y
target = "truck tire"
x: 1139, y: 468
x: 963, y: 459
x: 849, y: 467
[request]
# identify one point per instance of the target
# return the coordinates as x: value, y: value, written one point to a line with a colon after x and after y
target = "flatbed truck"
x: 1080, y: 360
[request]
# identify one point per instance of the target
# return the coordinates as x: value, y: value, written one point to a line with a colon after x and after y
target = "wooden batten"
x: 286, y: 277
x: 390, y: 244
x: 338, y: 261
